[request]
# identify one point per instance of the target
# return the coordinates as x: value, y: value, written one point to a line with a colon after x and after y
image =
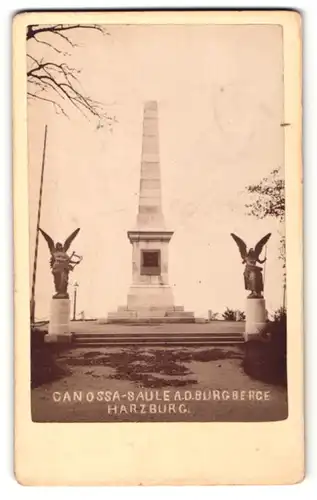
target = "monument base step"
x: 150, y: 320
x: 182, y: 314
x: 153, y: 314
x: 65, y: 338
x: 151, y: 308
x: 122, y: 315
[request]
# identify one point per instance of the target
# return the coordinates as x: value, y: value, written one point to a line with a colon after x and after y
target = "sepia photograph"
x: 158, y: 248
x: 157, y: 256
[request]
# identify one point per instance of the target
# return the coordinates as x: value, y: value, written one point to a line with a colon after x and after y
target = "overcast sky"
x: 220, y: 97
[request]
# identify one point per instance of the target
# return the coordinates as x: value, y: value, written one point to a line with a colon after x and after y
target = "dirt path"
x: 155, y: 384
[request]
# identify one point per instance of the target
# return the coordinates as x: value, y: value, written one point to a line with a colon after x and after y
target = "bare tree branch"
x: 64, y: 37
x: 58, y: 78
x: 56, y: 105
x: 49, y: 45
x: 33, y: 29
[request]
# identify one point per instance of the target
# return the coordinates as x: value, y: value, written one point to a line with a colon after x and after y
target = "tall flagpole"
x: 284, y: 294
x: 37, y: 231
x: 264, y: 270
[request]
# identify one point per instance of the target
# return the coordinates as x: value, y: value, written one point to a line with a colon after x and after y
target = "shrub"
x: 240, y: 315
x: 267, y: 361
x: 233, y: 315
x: 279, y: 314
x: 44, y: 367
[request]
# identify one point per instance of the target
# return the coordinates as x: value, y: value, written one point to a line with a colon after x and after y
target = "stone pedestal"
x: 256, y: 317
x: 150, y: 296
x: 59, y: 324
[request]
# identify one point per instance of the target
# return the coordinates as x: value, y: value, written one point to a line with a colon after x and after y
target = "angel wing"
x: 70, y: 239
x: 259, y: 246
x: 242, y: 246
x: 50, y: 242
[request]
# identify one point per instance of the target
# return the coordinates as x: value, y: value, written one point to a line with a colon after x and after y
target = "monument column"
x: 150, y: 295
x: 150, y: 238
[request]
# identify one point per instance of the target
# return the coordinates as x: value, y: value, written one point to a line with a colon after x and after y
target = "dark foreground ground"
x: 153, y: 384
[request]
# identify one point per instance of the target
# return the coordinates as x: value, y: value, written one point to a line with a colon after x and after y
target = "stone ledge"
x: 158, y: 315
x: 151, y: 308
x: 182, y: 314
x: 151, y: 320
x: 63, y: 338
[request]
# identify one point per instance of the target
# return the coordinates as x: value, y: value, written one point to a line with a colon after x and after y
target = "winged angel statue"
x: 61, y: 263
x: 253, y: 280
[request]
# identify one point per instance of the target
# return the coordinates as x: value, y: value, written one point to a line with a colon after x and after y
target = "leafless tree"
x: 54, y: 81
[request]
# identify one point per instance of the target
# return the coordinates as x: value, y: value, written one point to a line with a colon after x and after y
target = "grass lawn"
x: 154, y: 384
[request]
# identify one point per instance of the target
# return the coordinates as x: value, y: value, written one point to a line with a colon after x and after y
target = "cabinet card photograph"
x: 158, y: 240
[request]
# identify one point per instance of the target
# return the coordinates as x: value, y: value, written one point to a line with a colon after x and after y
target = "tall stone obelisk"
x: 150, y: 239
x: 150, y: 214
x: 150, y: 295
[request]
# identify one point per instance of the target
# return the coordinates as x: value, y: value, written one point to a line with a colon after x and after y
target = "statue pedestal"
x: 59, y: 324
x: 256, y: 318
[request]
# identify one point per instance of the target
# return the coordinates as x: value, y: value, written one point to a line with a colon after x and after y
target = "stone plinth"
x: 149, y: 296
x: 168, y: 314
x: 59, y: 324
x: 256, y: 317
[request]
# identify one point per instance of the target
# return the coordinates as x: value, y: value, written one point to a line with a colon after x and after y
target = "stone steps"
x: 155, y: 334
x: 151, y: 315
x: 151, y: 308
x: 156, y: 339
x: 177, y: 314
x: 146, y: 320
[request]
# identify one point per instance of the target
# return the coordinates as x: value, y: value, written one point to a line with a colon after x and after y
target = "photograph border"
x: 244, y: 453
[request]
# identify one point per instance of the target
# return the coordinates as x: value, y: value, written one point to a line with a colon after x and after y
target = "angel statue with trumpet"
x: 253, y: 280
x: 61, y: 263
